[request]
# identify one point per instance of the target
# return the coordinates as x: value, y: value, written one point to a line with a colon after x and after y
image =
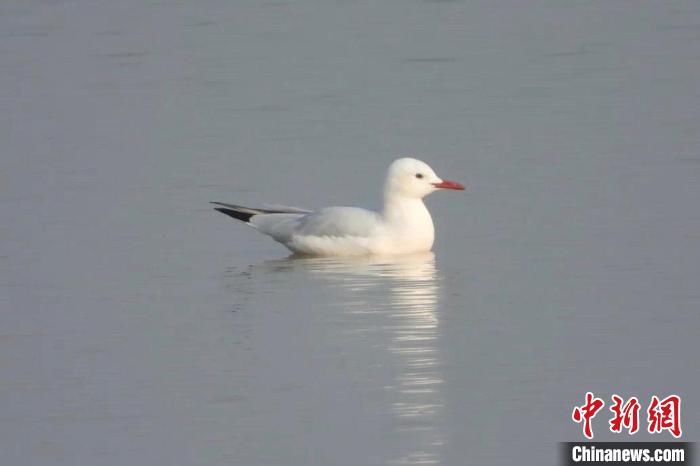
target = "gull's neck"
x: 400, y: 210
x: 407, y: 223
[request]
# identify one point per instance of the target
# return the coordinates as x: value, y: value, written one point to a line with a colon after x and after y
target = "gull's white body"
x: 403, y: 226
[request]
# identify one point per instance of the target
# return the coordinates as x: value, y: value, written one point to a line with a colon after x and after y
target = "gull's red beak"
x: 447, y: 184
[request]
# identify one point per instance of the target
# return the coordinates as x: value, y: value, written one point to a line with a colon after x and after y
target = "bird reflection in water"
x: 403, y: 294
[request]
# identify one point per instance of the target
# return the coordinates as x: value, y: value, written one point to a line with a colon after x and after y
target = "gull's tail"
x: 244, y: 214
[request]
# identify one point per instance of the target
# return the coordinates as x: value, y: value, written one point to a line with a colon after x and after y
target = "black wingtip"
x: 242, y: 216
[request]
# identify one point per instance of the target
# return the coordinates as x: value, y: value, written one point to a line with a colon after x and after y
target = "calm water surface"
x: 138, y: 326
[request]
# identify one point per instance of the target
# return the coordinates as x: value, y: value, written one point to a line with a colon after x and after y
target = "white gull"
x: 404, y: 225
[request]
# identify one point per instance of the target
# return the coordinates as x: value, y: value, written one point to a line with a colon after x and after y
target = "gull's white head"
x: 412, y: 178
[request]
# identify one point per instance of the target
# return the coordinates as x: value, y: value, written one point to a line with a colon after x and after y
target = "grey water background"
x: 138, y: 326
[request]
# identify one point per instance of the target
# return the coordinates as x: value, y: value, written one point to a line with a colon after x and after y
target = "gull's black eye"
x: 419, y: 176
